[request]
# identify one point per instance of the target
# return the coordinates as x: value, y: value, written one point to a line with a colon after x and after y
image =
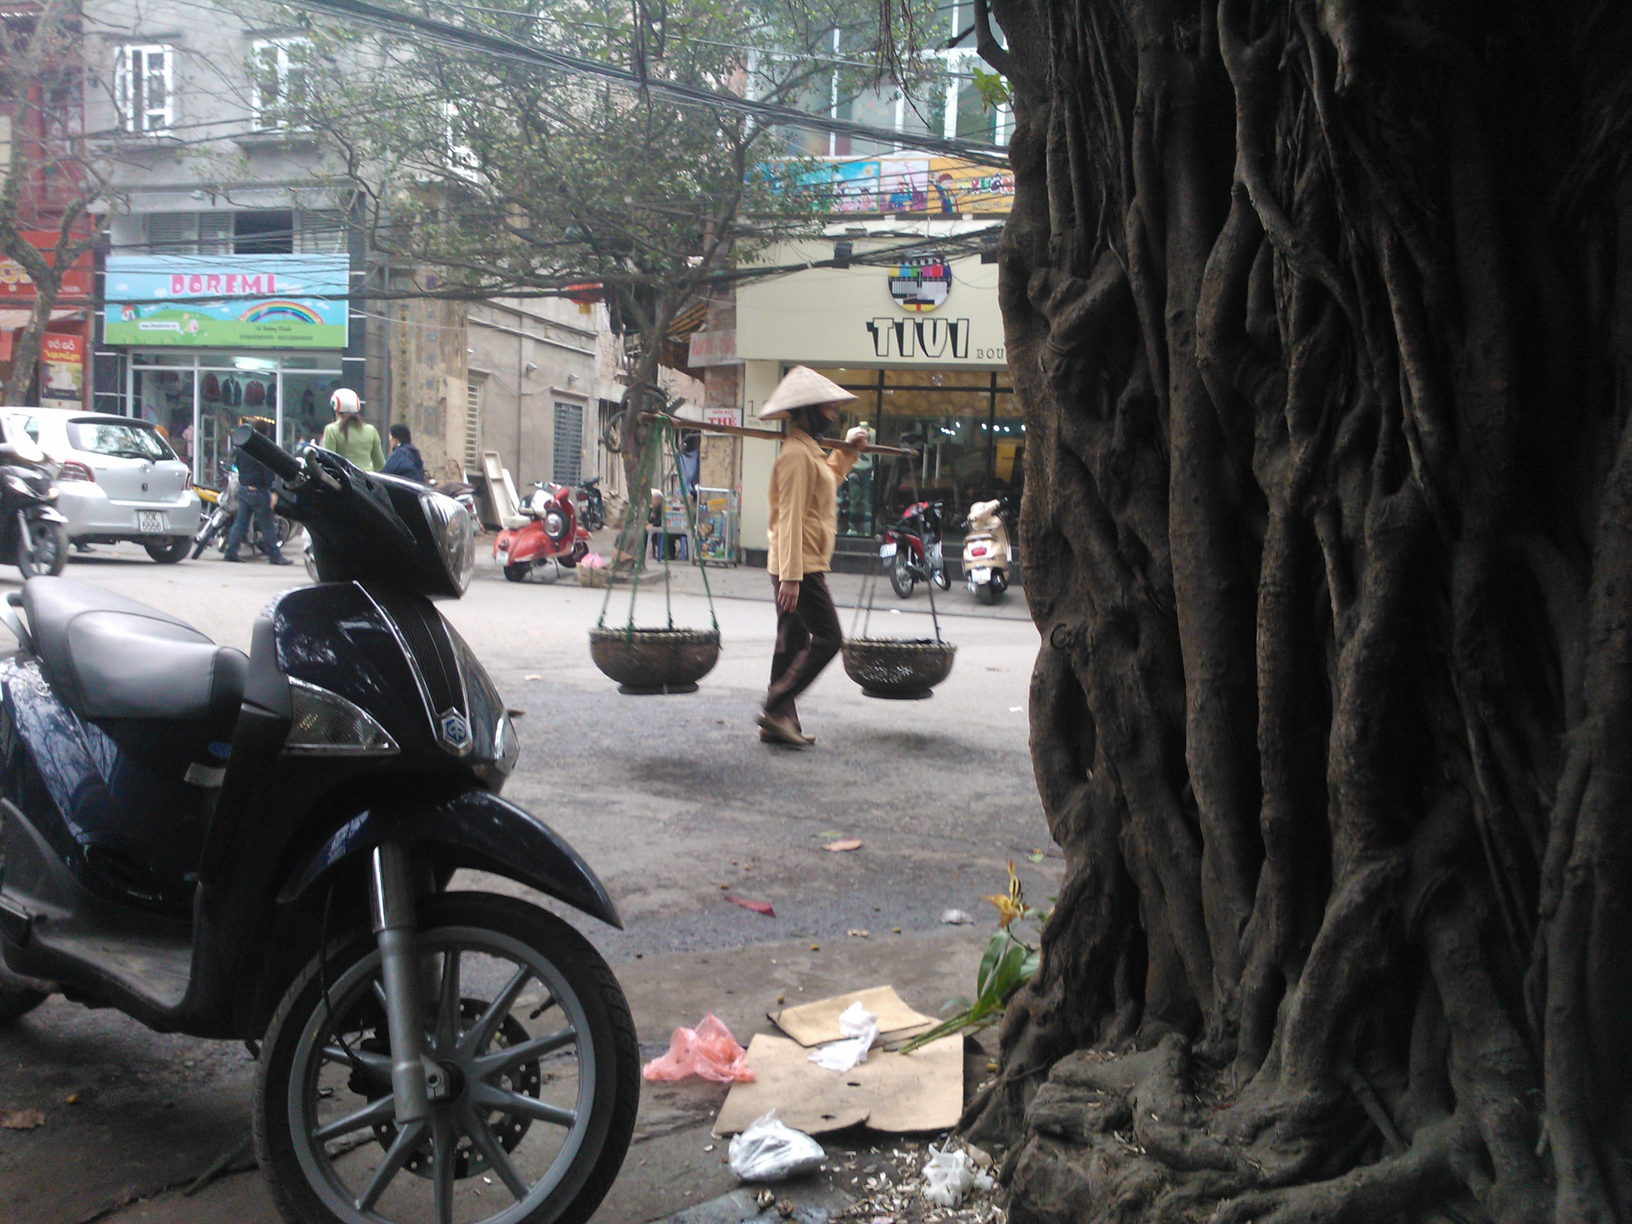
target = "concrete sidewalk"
x: 105, y: 1156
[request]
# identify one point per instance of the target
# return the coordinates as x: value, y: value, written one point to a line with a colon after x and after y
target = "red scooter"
x: 552, y: 533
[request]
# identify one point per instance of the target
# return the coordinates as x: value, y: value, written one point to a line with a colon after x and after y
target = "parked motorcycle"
x: 986, y: 552
x: 594, y: 509
x: 912, y: 549
x: 259, y: 848
x: 33, y: 533
x: 220, y: 508
x: 551, y: 535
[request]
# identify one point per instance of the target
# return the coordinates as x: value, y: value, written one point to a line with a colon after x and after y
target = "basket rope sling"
x: 655, y: 660
x: 901, y: 669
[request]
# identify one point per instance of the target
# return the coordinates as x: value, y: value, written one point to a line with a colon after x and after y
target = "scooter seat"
x: 108, y: 657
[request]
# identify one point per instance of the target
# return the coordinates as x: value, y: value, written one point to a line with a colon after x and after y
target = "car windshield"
x: 121, y: 439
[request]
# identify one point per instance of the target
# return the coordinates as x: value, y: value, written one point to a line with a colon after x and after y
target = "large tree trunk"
x: 1321, y: 315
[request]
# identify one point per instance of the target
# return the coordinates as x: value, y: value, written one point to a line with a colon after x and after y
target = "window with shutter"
x: 567, y: 461
x: 172, y: 233
x: 144, y: 87
x: 320, y: 232
x: 215, y: 233
x: 282, y: 83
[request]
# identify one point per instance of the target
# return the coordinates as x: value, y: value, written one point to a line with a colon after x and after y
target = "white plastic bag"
x: 768, y: 1151
x: 860, y: 1027
x: 950, y: 1175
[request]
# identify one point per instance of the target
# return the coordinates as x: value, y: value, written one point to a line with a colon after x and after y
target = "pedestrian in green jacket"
x: 351, y: 437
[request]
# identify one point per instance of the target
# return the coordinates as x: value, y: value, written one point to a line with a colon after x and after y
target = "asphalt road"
x: 673, y: 800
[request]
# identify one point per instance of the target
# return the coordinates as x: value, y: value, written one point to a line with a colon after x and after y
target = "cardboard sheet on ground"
x: 814, y: 1024
x: 892, y: 1093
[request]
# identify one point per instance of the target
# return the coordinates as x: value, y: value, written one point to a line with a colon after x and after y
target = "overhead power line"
x: 688, y: 95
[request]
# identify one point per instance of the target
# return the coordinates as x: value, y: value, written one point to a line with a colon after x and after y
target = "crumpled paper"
x: 860, y: 1028
x: 950, y: 1175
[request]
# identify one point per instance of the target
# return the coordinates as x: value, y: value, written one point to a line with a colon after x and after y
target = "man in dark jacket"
x: 404, y: 458
x: 255, y: 502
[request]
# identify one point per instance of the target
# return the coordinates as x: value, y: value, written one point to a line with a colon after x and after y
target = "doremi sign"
x: 234, y: 301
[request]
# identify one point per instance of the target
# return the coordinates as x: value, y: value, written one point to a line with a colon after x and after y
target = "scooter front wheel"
x: 542, y: 1078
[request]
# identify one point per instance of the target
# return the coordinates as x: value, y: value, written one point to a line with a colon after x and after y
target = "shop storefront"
x: 61, y: 368
x: 209, y: 341
x: 920, y: 345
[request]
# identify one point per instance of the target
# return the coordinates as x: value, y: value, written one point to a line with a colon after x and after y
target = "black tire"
x: 612, y: 432
x: 174, y: 549
x: 901, y: 577
x: 49, y: 554
x: 594, y: 520
x: 285, y: 528
x: 304, y: 1177
x: 942, y: 579
x: 518, y: 573
x: 310, y: 562
x: 17, y: 996
x: 985, y: 593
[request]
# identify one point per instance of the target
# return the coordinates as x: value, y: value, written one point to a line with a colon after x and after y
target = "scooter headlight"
x: 455, y: 536
x: 326, y: 724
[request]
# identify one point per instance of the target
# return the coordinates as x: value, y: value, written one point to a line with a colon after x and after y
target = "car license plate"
x: 981, y: 573
x: 886, y: 550
x: 150, y: 521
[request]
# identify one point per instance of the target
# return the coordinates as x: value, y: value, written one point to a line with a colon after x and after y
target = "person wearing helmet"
x: 351, y: 437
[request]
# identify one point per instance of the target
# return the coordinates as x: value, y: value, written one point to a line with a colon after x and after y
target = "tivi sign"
x: 930, y: 338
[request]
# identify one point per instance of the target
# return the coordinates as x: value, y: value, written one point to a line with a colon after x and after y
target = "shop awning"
x: 16, y: 320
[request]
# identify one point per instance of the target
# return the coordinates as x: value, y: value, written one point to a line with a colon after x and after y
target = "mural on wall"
x: 229, y: 301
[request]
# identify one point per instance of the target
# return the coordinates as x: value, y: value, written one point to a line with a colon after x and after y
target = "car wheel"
x: 171, y: 550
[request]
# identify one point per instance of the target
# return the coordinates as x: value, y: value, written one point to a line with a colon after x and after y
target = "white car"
x: 117, y: 479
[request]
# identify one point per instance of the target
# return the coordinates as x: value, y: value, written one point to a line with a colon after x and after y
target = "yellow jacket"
x: 804, y: 504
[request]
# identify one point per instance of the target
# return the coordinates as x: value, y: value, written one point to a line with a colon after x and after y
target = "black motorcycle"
x: 592, y: 510
x: 911, y: 549
x: 259, y: 848
x: 33, y: 533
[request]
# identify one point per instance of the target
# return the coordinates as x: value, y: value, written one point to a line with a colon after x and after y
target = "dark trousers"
x: 254, y: 504
x: 806, y: 641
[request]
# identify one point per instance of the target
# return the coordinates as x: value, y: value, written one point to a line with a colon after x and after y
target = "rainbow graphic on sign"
x: 921, y: 287
x: 299, y: 312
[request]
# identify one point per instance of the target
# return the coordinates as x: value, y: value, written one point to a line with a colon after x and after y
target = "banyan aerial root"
x: 1320, y: 314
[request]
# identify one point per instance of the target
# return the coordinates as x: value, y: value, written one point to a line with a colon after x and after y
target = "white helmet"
x: 345, y: 400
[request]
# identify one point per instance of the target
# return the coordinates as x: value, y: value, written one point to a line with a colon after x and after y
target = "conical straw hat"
x: 800, y: 388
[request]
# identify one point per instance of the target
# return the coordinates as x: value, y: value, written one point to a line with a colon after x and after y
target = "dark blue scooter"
x: 259, y: 848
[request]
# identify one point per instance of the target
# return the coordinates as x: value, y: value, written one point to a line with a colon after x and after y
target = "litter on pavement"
x: 818, y: 1022
x: 951, y: 1174
x: 709, y: 1051
x: 770, y: 1151
x: 860, y: 1029
x: 890, y: 1092
x: 957, y: 917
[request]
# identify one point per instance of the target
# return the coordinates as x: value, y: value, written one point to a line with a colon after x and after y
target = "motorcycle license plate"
x: 150, y: 521
x: 981, y: 573
x: 886, y: 550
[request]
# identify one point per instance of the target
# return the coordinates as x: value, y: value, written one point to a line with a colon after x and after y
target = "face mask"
x: 821, y: 425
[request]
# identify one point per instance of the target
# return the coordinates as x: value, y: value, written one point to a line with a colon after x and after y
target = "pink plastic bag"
x: 708, y: 1050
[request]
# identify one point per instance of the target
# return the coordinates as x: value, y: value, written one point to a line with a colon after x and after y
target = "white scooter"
x: 986, y: 552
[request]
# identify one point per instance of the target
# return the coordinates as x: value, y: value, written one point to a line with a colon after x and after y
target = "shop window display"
x: 965, y: 425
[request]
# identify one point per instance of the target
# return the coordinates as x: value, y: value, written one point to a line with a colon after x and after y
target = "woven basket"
x: 890, y: 667
x: 596, y: 577
x: 655, y: 660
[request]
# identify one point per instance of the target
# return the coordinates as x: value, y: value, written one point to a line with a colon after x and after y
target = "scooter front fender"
x: 474, y: 829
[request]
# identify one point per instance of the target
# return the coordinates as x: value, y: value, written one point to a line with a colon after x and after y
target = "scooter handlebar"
x: 260, y: 447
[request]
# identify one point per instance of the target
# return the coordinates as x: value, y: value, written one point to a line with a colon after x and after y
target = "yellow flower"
x: 1010, y: 905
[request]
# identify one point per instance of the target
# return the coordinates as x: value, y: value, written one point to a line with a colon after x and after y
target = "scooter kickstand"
x: 415, y: 1079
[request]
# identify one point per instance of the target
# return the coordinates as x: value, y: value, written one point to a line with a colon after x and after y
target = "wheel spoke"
x: 447, y: 1015
x: 500, y: 1061
x: 520, y: 1103
x: 375, y: 1066
x: 497, y: 1157
x: 374, y: 1111
x: 446, y: 1140
x: 482, y: 1031
x: 408, y: 1138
